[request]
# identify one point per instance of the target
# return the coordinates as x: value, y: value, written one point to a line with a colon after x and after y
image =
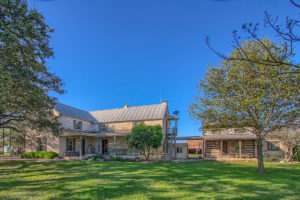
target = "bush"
x: 115, y: 158
x: 41, y: 154
x: 96, y: 157
x: 271, y: 159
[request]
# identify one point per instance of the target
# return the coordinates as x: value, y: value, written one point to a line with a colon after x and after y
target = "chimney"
x: 165, y: 102
x: 126, y: 105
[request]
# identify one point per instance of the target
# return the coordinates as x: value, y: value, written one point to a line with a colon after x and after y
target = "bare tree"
x: 287, y: 34
x: 290, y: 137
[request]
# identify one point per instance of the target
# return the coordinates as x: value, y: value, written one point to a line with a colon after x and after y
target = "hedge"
x: 41, y: 154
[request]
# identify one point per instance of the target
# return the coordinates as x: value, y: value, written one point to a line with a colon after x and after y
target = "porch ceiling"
x: 93, y: 134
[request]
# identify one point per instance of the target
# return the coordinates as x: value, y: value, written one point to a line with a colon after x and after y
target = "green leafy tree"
x: 144, y: 138
x: 240, y: 94
x: 25, y: 81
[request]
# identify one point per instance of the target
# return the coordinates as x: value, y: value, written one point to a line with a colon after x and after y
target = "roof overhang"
x: 190, y: 138
x: 230, y: 137
x: 71, y: 132
x: 172, y: 118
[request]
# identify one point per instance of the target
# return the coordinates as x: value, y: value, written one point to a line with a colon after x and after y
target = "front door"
x: 83, y: 146
x: 104, y: 146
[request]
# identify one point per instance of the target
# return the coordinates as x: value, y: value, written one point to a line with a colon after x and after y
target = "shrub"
x: 96, y: 157
x: 115, y: 158
x: 41, y: 154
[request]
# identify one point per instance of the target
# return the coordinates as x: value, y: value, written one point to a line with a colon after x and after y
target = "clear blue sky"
x: 114, y: 52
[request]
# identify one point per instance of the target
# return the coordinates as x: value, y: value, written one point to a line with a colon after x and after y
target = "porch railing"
x: 123, y: 152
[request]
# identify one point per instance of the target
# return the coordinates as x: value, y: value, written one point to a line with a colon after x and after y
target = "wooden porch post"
x: 10, y: 150
x: 175, y: 148
x: 170, y: 148
x: 98, y: 145
x: 80, y: 152
x: 204, y: 148
x: 115, y: 145
x: 240, y: 148
x: 221, y: 152
x: 255, y: 149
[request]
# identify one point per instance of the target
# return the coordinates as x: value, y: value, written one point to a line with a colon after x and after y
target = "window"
x: 77, y: 124
x: 70, y: 144
x: 179, y: 149
x: 138, y: 122
x: 103, y: 127
x: 273, y: 146
x: 42, y: 144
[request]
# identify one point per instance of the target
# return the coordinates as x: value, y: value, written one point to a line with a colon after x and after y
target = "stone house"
x: 102, y: 131
x: 239, y: 143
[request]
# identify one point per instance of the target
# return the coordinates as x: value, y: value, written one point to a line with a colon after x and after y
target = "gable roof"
x: 74, y: 112
x: 135, y: 113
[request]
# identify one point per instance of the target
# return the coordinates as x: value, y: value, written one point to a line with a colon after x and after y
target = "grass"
x: 129, y: 180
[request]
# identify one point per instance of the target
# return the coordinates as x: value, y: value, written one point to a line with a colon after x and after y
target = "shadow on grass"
x: 127, y: 180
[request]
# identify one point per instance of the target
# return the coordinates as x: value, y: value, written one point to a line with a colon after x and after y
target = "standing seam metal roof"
x: 136, y: 113
x: 74, y: 112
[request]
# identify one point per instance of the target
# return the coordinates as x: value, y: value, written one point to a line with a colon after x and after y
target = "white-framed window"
x: 179, y: 149
x: 77, y: 124
x: 70, y: 144
x: 103, y: 127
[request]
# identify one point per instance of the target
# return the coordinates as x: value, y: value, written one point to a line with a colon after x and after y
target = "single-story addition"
x: 239, y: 143
x: 102, y: 131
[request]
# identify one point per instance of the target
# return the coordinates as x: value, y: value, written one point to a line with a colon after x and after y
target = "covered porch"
x: 230, y: 146
x: 83, y: 144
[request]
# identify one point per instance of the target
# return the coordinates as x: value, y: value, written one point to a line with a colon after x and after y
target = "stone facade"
x: 58, y: 143
x: 41, y: 140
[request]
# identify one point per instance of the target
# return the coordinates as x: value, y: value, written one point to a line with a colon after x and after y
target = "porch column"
x: 203, y: 149
x: 255, y: 149
x: 80, y: 152
x: 170, y: 149
x: 10, y: 150
x: 175, y: 148
x: 221, y: 152
x: 240, y: 148
x: 98, y: 145
x: 115, y: 145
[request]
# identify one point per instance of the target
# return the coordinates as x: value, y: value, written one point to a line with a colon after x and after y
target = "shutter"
x: 80, y: 125
x: 74, y: 124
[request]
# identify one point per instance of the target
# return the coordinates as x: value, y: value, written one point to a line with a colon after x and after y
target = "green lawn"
x: 128, y: 180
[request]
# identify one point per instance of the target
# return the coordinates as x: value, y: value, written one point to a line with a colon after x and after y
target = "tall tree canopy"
x: 239, y: 93
x: 25, y: 81
x: 144, y: 138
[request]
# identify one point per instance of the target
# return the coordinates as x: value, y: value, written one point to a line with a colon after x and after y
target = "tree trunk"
x: 260, y: 160
x: 147, y: 153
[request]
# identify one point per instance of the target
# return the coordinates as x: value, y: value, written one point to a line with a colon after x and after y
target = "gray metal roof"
x: 74, y: 112
x: 135, y: 113
x: 230, y: 137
